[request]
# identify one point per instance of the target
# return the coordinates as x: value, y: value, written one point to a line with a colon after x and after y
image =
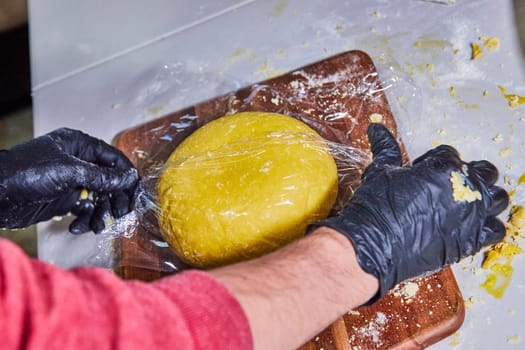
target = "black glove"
x: 405, y: 221
x: 44, y: 177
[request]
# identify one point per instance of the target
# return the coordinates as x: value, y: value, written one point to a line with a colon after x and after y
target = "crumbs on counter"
x: 466, y: 105
x: 505, y: 152
x: 498, y: 260
x: 279, y: 8
x: 470, y: 301
x: 500, y: 250
x: 497, y: 138
x: 521, y: 179
x: 514, y: 340
x: 507, y: 180
x: 267, y: 71
x: 477, y: 53
x: 485, y: 93
x: 516, y: 222
x: 452, y: 91
x: 513, y: 99
x: 428, y: 42
x: 154, y: 110
x: 377, y: 14
x: 455, y: 339
x: 490, y: 43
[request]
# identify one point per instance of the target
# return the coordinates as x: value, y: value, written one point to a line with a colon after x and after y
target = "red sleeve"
x: 44, y: 307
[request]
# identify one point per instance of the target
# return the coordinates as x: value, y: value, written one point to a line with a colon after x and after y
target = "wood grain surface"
x: 336, y: 97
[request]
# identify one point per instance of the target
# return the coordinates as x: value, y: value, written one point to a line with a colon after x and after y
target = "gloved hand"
x: 44, y: 177
x: 406, y: 221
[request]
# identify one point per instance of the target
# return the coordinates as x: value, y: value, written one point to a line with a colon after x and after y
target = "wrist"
x: 365, y: 286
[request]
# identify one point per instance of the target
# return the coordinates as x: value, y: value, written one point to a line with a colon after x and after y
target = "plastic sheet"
x: 335, y: 99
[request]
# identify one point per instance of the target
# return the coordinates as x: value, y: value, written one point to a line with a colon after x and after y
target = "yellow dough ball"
x: 242, y: 186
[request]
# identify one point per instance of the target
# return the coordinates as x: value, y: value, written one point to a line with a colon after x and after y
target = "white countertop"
x: 106, y: 66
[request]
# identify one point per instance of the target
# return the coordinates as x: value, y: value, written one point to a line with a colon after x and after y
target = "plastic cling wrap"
x: 337, y: 97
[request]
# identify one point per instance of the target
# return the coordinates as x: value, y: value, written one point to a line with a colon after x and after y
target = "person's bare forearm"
x: 294, y: 293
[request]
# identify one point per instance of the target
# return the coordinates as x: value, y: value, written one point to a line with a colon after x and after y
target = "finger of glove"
x: 99, y: 179
x: 492, y: 232
x: 500, y: 200
x: 120, y: 204
x: 485, y: 170
x: 84, y: 211
x: 385, y: 149
x: 99, y: 152
x: 37, y: 212
x: 89, y: 148
x: 102, y: 208
x: 445, y: 153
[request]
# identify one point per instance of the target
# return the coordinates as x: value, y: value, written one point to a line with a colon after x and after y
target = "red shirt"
x: 45, y: 307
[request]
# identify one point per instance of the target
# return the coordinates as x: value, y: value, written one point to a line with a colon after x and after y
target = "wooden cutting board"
x: 337, y: 97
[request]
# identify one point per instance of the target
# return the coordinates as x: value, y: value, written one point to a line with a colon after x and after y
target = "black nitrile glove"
x: 44, y: 177
x: 405, y: 221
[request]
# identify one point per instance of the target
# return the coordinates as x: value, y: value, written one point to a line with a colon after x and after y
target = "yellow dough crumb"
x: 469, y: 302
x: 452, y: 91
x: 500, y: 250
x: 514, y: 340
x: 498, y: 138
x: 460, y: 191
x: 512, y: 99
x: 455, y: 339
x: 498, y: 260
x: 491, y: 43
x: 407, y: 291
x: 521, y: 179
x: 376, y: 118
x: 516, y: 222
x: 477, y: 53
x: 84, y: 194
x: 505, y: 152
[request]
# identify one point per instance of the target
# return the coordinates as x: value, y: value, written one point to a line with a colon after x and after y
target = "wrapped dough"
x: 242, y: 186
